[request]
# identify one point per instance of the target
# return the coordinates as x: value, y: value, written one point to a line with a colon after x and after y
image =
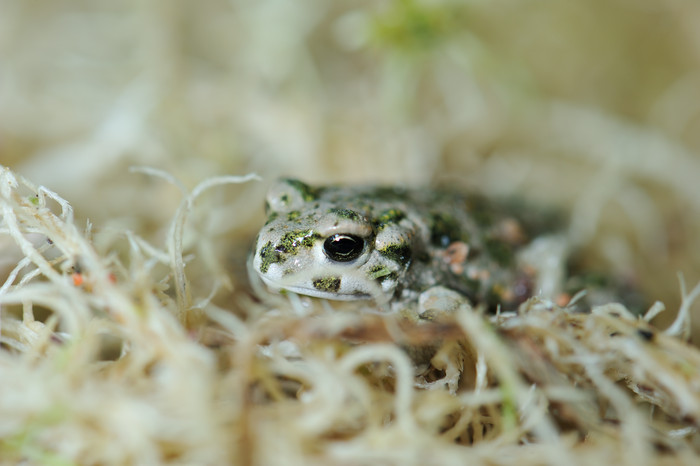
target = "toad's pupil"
x: 343, y: 248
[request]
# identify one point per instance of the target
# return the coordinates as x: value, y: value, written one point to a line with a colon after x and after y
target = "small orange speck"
x: 563, y: 299
x: 77, y: 279
x: 112, y: 278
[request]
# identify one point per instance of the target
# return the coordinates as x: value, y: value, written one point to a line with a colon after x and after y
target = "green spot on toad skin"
x: 400, y: 253
x: 293, y: 215
x: 387, y: 193
x: 330, y: 284
x: 269, y: 256
x: 292, y: 241
x: 381, y: 273
x: 307, y: 192
x: 346, y: 213
x: 389, y: 217
x: 271, y: 217
x: 444, y: 229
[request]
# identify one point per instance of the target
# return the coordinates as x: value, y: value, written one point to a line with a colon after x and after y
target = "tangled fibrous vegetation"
x: 110, y: 355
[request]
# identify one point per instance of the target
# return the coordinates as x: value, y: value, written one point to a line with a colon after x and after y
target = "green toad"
x: 407, y: 247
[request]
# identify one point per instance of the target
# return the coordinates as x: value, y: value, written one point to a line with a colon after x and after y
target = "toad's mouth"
x: 310, y: 290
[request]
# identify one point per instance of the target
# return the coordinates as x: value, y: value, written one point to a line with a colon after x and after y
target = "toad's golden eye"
x: 343, y: 248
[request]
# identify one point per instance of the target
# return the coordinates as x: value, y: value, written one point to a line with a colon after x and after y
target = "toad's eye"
x: 343, y: 248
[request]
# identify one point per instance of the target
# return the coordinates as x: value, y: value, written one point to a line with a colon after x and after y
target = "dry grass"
x: 130, y: 334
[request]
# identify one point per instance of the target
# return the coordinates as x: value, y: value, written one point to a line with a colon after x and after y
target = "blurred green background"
x: 589, y: 105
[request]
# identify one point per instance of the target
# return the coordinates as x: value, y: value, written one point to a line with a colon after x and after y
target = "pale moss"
x: 158, y: 353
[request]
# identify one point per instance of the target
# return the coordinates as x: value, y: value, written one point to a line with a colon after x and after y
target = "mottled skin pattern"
x: 398, y: 246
